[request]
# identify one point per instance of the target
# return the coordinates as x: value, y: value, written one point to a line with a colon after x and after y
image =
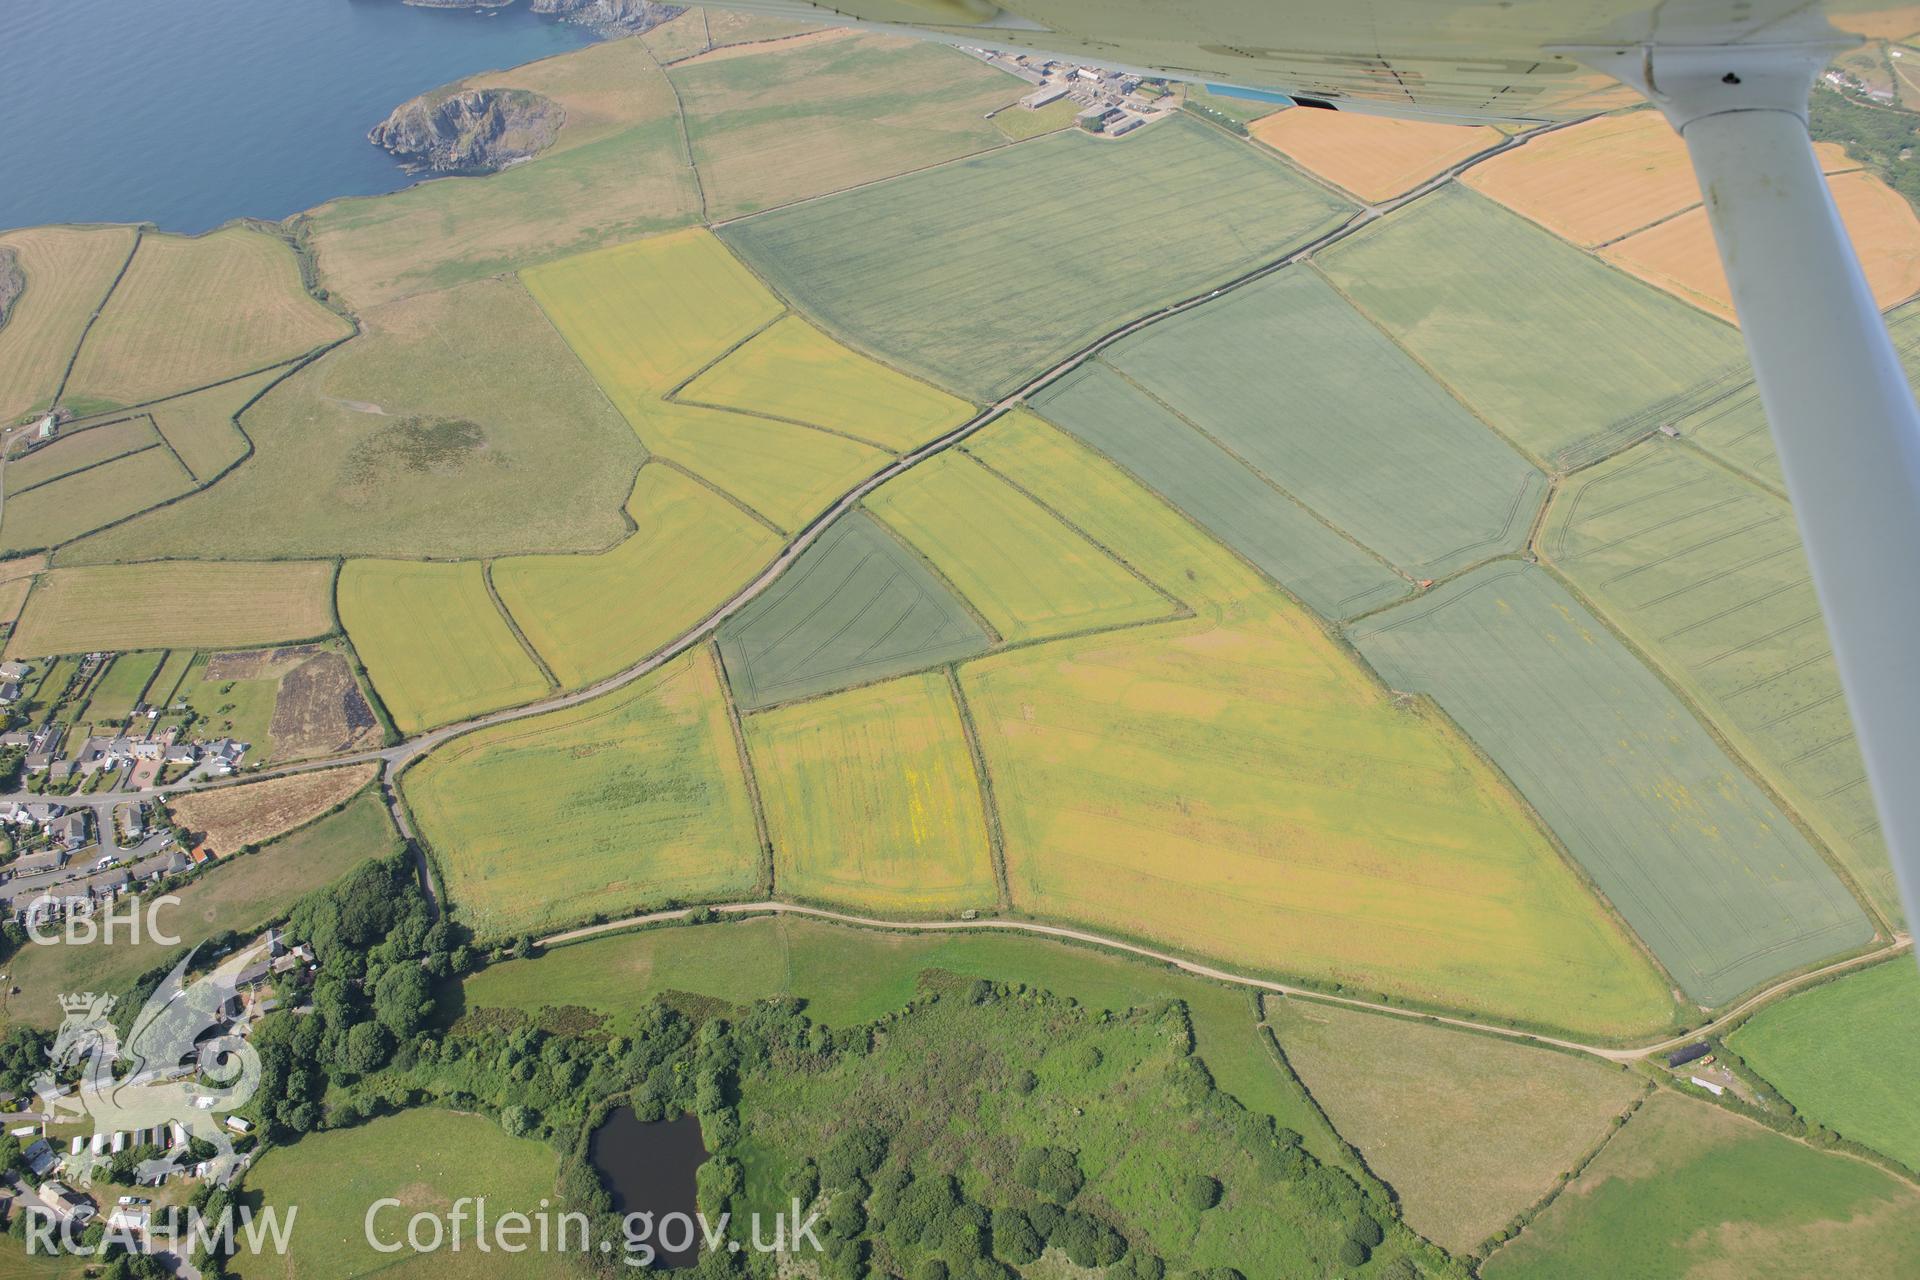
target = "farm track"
x: 1610, y: 1053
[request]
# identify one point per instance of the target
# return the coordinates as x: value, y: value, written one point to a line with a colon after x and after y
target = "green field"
x: 1029, y: 574
x: 61, y: 510
x: 116, y: 693
x: 201, y: 426
x: 79, y: 446
x: 1020, y: 123
x: 1564, y: 355
x: 803, y: 118
x: 457, y: 424
x: 872, y: 800
x: 1695, y: 856
x: 433, y: 641
x: 1688, y: 1190
x: 238, y: 893
x: 1247, y: 512
x: 848, y: 976
x: 195, y: 310
x: 690, y: 550
x: 787, y: 473
x: 856, y: 607
x: 617, y: 171
x: 1295, y: 384
x: 1468, y: 1130
x: 1238, y: 786
x: 1842, y: 1054
x: 794, y: 371
x: 425, y: 1158
x: 611, y: 806
x: 980, y: 274
x: 68, y: 271
x: 1245, y: 110
x: 140, y: 606
x: 167, y: 680
x: 1705, y: 572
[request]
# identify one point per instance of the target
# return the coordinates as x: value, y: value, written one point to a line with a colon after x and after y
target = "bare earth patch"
x: 229, y: 818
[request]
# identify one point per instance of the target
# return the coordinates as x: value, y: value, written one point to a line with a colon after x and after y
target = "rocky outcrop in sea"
x: 469, y: 130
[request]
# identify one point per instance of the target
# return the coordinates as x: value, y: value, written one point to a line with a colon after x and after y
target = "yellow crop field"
x: 194, y: 310
x: 590, y: 616
x: 175, y: 604
x: 872, y: 801
x: 645, y: 316
x: 614, y: 805
x: 1026, y: 572
x: 1603, y: 178
x: 433, y: 641
x: 1237, y: 785
x: 68, y: 271
x: 1679, y: 255
x: 1372, y: 156
x: 793, y: 370
x: 787, y: 473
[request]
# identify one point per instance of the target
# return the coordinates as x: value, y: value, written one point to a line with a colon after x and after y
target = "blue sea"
x: 187, y: 113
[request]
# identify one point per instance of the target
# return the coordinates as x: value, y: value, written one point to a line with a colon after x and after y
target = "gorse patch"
x: 418, y: 444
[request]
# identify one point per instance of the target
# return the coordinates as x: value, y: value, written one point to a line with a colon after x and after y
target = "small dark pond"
x: 649, y: 1168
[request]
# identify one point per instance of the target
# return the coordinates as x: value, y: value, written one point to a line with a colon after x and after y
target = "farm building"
x: 1044, y: 97
x: 1681, y: 1057
x: 1125, y: 124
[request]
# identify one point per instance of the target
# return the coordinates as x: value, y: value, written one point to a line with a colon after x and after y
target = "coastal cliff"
x: 469, y: 131
x: 611, y: 17
x: 12, y: 280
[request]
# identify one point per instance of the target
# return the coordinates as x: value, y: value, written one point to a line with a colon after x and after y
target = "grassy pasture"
x: 1245, y: 110
x: 1375, y: 157
x: 1564, y: 355
x: 194, y: 310
x: 806, y: 117
x: 1218, y: 491
x: 433, y: 641
x: 610, y: 806
x: 980, y: 274
x: 61, y: 510
x: 1237, y: 785
x: 1292, y: 381
x: 145, y: 606
x: 202, y: 426
x: 680, y: 37
x: 646, y: 316
x: 1027, y: 573
x: 617, y: 171
x: 457, y: 424
x: 1686, y: 1189
x: 690, y: 549
x: 68, y: 271
x: 227, y: 819
x: 872, y: 800
x: 1469, y: 1130
x: 856, y: 607
x: 792, y: 370
x: 426, y: 1158
x: 1020, y: 123
x: 1841, y: 1054
x: 80, y: 447
x: 234, y: 894
x: 789, y: 474
x: 167, y: 680
x: 1705, y: 572
x: 116, y: 693
x: 1723, y: 888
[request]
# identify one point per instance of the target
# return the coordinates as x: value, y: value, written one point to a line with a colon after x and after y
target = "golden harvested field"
x: 13, y: 594
x: 787, y: 473
x: 644, y: 317
x: 1892, y: 22
x: 21, y: 567
x: 228, y: 819
x: 617, y: 171
x: 63, y: 509
x: 589, y: 616
x: 792, y: 370
x: 1238, y: 786
x: 1027, y: 573
x: 194, y: 310
x: 1679, y: 255
x: 68, y: 272
x: 1372, y: 156
x: 175, y: 604
x: 433, y: 641
x: 1603, y: 178
x: 1467, y: 1129
x: 872, y: 800
x: 607, y: 807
